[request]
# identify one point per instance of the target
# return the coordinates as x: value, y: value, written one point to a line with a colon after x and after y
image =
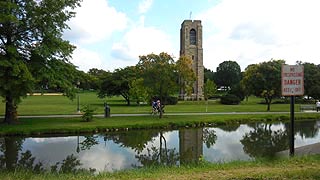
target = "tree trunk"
x: 11, y: 153
x: 161, y: 113
x: 127, y: 98
x: 11, y: 115
x: 268, y: 101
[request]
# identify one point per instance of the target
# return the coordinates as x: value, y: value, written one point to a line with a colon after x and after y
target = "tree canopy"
x: 228, y: 73
x: 118, y: 83
x: 186, y: 75
x: 31, y: 31
x: 264, y: 80
x: 312, y: 80
x: 158, y: 72
x: 210, y: 88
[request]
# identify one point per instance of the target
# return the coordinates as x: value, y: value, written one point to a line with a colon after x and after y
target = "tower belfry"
x: 191, y: 46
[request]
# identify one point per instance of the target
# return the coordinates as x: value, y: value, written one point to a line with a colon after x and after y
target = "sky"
x: 111, y: 34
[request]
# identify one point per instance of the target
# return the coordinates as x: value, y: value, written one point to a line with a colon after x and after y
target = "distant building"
x: 191, y: 46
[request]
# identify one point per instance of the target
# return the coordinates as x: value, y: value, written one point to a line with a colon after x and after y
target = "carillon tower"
x: 191, y: 46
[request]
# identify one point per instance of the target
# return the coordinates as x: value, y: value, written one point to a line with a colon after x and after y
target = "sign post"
x: 292, y: 84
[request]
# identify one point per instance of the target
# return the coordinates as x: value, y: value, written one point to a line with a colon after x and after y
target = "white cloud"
x: 86, y: 59
x: 95, y: 21
x: 251, y: 31
x: 103, y: 159
x: 144, y: 6
x: 142, y: 41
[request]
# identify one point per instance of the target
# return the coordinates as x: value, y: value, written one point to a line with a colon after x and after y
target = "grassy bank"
x: 42, y: 105
x: 305, y: 168
x: 37, y: 126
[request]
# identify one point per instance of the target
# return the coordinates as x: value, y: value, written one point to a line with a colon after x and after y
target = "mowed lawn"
x: 58, y: 104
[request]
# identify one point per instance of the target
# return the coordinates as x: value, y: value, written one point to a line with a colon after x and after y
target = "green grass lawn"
x: 42, y: 105
x: 293, y: 168
x: 304, y: 168
x: 40, y: 126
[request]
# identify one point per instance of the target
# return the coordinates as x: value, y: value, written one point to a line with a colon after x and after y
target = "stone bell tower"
x: 191, y: 46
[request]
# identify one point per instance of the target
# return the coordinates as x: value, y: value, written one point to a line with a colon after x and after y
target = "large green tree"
x: 138, y: 91
x: 118, y: 83
x: 186, y: 75
x: 228, y: 73
x: 158, y: 72
x: 208, y: 74
x: 97, y: 76
x: 264, y: 80
x: 30, y: 30
x: 247, y: 80
x: 312, y: 80
x: 46, y: 76
x: 210, y: 88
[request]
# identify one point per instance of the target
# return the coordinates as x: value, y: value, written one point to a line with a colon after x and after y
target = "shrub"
x: 168, y: 100
x: 230, y: 99
x: 172, y: 100
x: 87, y: 113
x: 237, y: 91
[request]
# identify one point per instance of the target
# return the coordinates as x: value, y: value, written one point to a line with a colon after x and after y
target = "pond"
x: 133, y: 149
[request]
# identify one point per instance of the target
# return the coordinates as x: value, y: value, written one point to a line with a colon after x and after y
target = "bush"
x: 87, y: 113
x: 230, y: 99
x: 237, y: 91
x: 171, y: 100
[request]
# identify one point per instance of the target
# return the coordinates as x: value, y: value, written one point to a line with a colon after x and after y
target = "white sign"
x: 292, y: 80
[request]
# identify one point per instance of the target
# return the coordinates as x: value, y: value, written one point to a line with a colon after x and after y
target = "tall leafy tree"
x: 246, y: 82
x: 158, y: 72
x: 47, y: 78
x: 118, y: 83
x: 186, y: 75
x: 30, y: 30
x: 228, y: 73
x: 210, y: 88
x: 312, y: 80
x: 264, y: 80
x: 138, y: 91
x: 97, y: 76
x: 208, y: 74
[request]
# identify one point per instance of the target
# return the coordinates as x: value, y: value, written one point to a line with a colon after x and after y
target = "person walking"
x: 318, y: 105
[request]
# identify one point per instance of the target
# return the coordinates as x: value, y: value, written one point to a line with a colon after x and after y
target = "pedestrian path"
x: 147, y: 114
x: 303, y: 150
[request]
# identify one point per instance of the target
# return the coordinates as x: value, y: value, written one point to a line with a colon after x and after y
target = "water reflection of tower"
x: 190, y: 145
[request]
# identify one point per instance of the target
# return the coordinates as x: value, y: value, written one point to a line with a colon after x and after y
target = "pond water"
x: 132, y: 149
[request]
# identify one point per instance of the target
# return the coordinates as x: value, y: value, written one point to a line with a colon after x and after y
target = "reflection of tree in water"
x: 10, y: 146
x: 159, y: 156
x: 69, y: 165
x: 230, y: 127
x: 11, y: 160
x: 27, y: 162
x: 263, y: 142
x: 136, y: 140
x: 306, y: 129
x: 88, y: 142
x: 209, y: 137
